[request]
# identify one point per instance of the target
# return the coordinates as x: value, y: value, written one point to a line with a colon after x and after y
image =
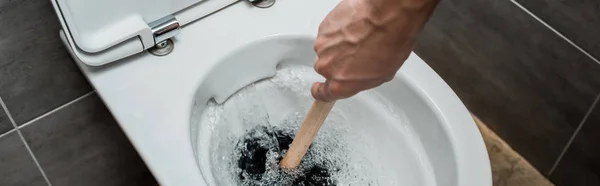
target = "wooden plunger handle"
x: 306, y: 134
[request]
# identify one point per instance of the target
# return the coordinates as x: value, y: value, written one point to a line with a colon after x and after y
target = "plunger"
x: 306, y: 134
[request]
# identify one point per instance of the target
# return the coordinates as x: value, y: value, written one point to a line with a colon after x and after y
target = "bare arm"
x: 362, y: 44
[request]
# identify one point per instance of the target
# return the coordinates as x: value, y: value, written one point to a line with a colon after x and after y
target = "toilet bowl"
x: 423, y: 134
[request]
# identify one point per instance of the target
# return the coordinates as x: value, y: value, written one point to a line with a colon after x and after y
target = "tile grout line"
x: 7, y: 114
x: 55, y: 109
x: 556, y: 31
x: 575, y: 133
x: 25, y: 142
x: 8, y: 132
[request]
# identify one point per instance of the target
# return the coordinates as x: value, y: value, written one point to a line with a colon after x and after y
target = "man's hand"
x: 362, y: 44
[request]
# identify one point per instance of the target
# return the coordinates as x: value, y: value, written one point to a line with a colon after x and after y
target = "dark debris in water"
x: 253, y: 149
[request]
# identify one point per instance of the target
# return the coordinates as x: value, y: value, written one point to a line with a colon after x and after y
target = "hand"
x: 362, y: 44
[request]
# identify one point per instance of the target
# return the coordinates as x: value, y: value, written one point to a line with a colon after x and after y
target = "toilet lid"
x: 98, y: 25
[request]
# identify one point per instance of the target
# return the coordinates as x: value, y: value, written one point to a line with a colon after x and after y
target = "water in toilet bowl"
x: 259, y: 152
x: 362, y: 142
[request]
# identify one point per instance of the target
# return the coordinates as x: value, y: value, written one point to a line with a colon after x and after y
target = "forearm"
x: 406, y: 16
x: 362, y: 44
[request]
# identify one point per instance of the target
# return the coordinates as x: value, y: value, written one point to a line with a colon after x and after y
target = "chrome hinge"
x: 164, y: 28
x: 262, y: 3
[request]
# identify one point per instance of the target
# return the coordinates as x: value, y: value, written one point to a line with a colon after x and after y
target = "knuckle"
x: 321, y: 67
x: 317, y: 95
x: 341, y: 73
x: 344, y: 73
x: 316, y: 92
x: 320, y: 43
x: 336, y: 92
x: 340, y: 90
x: 324, y: 24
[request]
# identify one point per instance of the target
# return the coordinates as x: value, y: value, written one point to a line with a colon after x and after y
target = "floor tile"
x: 580, y: 166
x: 530, y: 86
x: 82, y: 144
x: 578, y: 20
x: 5, y: 124
x: 16, y: 165
x: 36, y: 72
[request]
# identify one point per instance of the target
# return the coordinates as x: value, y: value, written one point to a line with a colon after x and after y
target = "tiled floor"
x: 16, y: 165
x: 580, y: 166
x: 508, y: 167
x: 528, y: 84
x: 81, y: 144
x: 77, y: 144
x: 36, y: 72
x: 576, y: 19
x: 5, y: 124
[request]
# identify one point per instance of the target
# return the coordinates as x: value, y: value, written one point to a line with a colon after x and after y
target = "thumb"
x: 320, y: 91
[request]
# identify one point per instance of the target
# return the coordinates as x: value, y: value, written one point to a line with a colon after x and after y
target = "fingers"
x: 341, y: 90
x: 334, y: 90
x: 320, y: 91
x: 322, y: 67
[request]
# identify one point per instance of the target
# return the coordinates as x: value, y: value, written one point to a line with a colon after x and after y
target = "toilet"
x: 158, y: 65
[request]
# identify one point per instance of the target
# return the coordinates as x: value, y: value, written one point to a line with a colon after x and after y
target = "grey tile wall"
x: 79, y: 144
x: 36, y: 72
x: 16, y: 165
x: 82, y: 144
x: 580, y: 166
x: 528, y: 84
x: 579, y: 20
x: 5, y: 124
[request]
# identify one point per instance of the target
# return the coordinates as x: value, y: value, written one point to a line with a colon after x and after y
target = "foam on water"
x: 348, y: 146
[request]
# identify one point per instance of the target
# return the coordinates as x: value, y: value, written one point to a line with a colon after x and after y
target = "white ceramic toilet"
x: 159, y: 95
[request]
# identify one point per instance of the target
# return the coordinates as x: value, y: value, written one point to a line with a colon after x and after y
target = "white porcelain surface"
x: 396, y: 126
x: 151, y: 97
x: 97, y: 37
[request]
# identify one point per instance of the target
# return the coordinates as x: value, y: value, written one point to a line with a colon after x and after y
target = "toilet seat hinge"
x: 164, y: 28
x: 262, y: 3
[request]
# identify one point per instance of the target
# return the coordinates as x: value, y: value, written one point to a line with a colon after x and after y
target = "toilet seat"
x: 150, y: 96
